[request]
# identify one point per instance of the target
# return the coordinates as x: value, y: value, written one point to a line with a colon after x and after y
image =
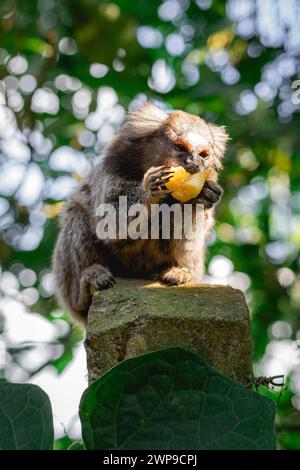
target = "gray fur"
x: 83, y: 263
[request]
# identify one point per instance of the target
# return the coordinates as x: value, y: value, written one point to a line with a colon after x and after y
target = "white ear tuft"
x: 145, y: 120
x: 219, y: 139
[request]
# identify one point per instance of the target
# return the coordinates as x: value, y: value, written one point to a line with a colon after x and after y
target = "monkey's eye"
x: 204, y: 153
x: 181, y: 148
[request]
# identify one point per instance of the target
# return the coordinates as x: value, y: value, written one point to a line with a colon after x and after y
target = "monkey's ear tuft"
x: 144, y: 120
x: 219, y: 139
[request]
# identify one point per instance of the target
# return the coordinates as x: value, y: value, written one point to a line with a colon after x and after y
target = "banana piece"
x: 184, y: 186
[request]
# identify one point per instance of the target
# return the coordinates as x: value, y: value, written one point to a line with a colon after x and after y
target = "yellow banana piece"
x: 184, y: 186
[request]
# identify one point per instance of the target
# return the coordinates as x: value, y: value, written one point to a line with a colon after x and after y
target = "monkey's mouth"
x: 188, y: 165
x: 191, y: 167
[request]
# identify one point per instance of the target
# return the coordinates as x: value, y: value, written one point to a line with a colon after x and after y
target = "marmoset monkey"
x: 136, y: 165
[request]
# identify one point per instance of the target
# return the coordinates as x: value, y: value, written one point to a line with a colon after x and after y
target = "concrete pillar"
x: 136, y: 317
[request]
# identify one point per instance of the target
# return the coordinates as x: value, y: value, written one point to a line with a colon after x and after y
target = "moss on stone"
x: 138, y: 316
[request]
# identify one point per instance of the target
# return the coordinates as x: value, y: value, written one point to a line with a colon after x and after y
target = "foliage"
x: 76, y: 446
x: 71, y: 69
x: 168, y: 399
x: 171, y: 399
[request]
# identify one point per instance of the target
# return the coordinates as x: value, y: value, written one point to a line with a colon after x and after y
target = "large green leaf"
x: 25, y: 418
x: 76, y: 445
x: 171, y: 399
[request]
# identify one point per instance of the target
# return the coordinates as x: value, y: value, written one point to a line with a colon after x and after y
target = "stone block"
x: 136, y: 317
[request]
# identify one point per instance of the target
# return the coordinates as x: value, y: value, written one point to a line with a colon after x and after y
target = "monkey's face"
x: 189, y: 142
x: 151, y: 137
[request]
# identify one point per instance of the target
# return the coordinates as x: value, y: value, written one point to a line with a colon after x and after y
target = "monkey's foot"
x: 98, y: 277
x: 210, y: 194
x: 154, y: 183
x: 176, y: 276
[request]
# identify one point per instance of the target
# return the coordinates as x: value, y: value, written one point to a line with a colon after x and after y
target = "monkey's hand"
x: 154, y: 183
x: 176, y: 276
x: 210, y: 195
x: 97, y: 277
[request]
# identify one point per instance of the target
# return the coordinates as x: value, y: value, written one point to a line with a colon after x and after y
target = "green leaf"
x: 171, y: 399
x: 63, y: 443
x: 289, y: 440
x: 76, y: 445
x: 26, y: 421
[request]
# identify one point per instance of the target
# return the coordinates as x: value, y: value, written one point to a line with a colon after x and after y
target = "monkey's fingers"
x: 104, y: 284
x: 154, y: 170
x: 214, y: 187
x: 159, y: 190
x: 108, y: 283
x: 165, y: 175
x: 160, y: 182
x: 210, y: 194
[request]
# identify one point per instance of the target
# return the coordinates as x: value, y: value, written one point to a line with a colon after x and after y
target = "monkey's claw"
x: 155, y: 182
x: 98, y: 277
x: 210, y: 194
x: 176, y: 276
x: 107, y: 283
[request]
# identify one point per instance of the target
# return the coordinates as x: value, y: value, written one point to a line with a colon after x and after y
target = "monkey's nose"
x: 191, y: 167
